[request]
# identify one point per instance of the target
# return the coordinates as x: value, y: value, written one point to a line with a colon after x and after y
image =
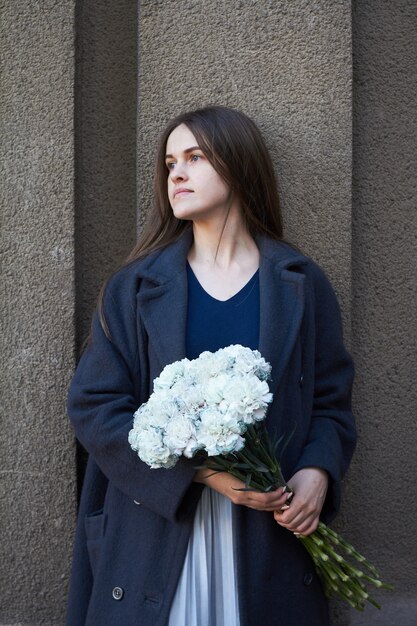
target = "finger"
x: 285, y: 499
x: 267, y: 501
x: 276, y: 494
x: 278, y: 505
x: 293, y: 518
x: 303, y: 526
x: 260, y: 506
x: 282, y: 509
x: 307, y: 528
x: 271, y: 501
x: 300, y: 510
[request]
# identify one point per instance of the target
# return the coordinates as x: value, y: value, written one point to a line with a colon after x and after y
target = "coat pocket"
x: 94, y: 529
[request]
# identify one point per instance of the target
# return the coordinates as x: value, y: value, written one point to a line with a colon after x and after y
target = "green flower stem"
x: 257, y: 466
x: 347, y: 547
x: 338, y: 575
x: 258, y: 438
x: 335, y: 580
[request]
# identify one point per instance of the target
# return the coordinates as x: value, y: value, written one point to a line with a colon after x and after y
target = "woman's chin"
x: 183, y: 215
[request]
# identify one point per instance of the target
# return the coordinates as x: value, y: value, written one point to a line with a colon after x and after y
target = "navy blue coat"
x: 134, y: 522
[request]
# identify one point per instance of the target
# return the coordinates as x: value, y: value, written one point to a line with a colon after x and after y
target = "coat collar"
x: 162, y: 300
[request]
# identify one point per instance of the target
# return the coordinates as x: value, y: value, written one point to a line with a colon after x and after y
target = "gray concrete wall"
x: 105, y: 153
x: 50, y: 141
x: 385, y: 300
x: 105, y: 146
x: 287, y: 64
x: 37, y: 453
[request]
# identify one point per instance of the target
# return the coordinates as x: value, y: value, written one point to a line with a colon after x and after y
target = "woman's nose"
x: 178, y: 172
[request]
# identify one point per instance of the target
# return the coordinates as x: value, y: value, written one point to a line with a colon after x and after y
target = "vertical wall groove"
x: 105, y: 149
x: 105, y: 145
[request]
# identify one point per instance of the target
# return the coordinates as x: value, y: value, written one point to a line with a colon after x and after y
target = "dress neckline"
x: 242, y: 293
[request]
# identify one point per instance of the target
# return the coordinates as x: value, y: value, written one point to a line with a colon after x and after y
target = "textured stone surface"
x: 105, y: 144
x: 37, y: 454
x: 288, y: 65
x: 385, y: 299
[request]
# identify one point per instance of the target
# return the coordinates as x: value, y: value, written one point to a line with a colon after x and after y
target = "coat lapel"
x: 163, y: 309
x: 281, y: 311
x: 162, y: 302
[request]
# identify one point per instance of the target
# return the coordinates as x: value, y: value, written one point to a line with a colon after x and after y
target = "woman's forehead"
x: 180, y: 139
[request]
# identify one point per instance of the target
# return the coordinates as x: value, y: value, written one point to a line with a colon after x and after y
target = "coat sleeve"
x: 102, y: 399
x: 331, y: 438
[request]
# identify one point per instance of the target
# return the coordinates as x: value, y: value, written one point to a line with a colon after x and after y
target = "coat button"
x: 308, y: 578
x: 136, y: 502
x: 117, y: 593
x: 301, y: 380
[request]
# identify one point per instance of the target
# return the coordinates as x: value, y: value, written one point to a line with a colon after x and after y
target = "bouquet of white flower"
x: 204, y: 404
x: 216, y: 404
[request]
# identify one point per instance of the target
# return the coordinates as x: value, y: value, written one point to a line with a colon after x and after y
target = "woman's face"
x: 195, y: 189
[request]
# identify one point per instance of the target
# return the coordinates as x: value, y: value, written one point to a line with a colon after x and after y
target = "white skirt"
x: 206, y: 594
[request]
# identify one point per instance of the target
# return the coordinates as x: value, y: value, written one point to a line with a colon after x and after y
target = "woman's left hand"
x: 310, y: 488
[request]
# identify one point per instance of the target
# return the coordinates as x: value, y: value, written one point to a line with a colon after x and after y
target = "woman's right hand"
x: 229, y: 486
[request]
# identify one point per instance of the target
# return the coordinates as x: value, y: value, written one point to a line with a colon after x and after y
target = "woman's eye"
x: 195, y: 157
x: 170, y: 165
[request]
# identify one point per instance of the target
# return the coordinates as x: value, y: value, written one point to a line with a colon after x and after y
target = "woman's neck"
x: 219, y: 244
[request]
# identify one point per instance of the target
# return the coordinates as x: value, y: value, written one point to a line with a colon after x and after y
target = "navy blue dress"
x: 214, y: 324
x: 207, y: 592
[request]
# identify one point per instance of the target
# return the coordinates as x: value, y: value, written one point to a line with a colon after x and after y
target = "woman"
x: 180, y: 546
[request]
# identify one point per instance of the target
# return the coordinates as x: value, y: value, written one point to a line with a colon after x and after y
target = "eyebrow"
x: 171, y: 156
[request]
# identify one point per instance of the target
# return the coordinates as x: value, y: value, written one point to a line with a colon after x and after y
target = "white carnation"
x: 219, y: 433
x: 249, y: 362
x: 211, y: 364
x: 170, y: 374
x: 180, y: 434
x: 156, y: 413
x: 216, y: 388
x: 249, y: 397
x: 206, y: 404
x: 182, y: 387
x: 151, y: 449
x: 192, y: 400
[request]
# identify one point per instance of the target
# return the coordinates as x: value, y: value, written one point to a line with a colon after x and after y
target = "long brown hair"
x: 233, y: 144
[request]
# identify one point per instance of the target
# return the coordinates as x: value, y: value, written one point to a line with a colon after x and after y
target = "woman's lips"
x: 182, y: 192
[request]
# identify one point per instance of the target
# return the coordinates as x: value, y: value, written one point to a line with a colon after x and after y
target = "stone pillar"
x: 289, y: 66
x: 37, y: 452
x: 383, y: 520
x: 52, y: 51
